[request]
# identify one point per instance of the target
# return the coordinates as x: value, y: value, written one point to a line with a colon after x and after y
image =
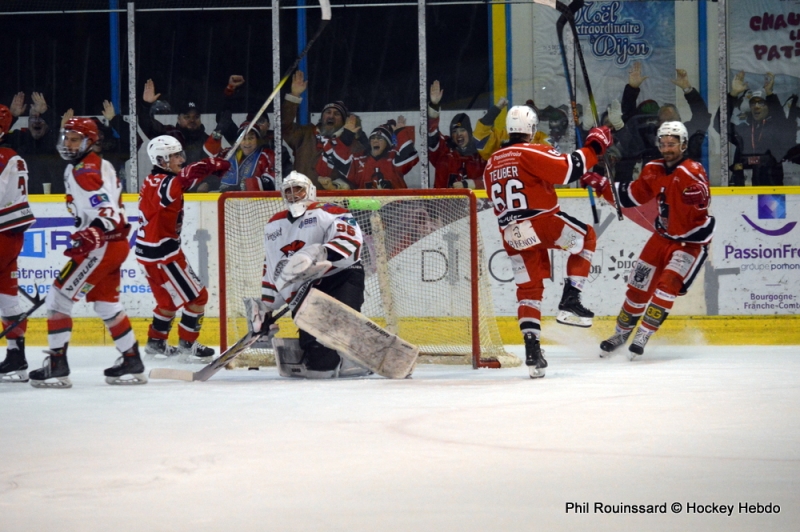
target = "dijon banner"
x: 613, y: 36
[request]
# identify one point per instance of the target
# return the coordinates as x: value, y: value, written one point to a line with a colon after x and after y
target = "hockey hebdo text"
x: 689, y: 507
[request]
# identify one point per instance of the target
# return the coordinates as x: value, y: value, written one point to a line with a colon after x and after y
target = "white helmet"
x: 298, y: 200
x: 160, y: 148
x: 673, y: 129
x: 521, y: 119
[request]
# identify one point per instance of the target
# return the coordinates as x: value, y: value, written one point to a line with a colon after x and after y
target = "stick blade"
x: 172, y: 374
x: 325, y: 5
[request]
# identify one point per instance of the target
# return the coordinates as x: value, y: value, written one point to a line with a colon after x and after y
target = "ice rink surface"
x: 452, y: 449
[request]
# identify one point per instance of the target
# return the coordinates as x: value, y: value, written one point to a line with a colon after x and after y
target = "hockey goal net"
x: 426, y: 277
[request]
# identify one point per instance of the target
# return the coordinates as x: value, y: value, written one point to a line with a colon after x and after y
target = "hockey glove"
x: 85, y: 241
x: 696, y: 194
x: 201, y: 169
x: 598, y: 182
x: 599, y: 139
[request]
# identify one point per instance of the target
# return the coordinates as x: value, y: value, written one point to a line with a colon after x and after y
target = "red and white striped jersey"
x: 322, y: 223
x: 676, y: 220
x: 94, y: 194
x: 160, y: 218
x: 15, y: 213
x: 519, y: 179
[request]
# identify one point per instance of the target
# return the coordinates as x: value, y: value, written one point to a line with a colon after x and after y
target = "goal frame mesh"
x: 487, y: 349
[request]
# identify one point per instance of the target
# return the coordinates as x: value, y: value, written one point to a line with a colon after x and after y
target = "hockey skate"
x: 15, y: 368
x: 159, y: 348
x: 570, y: 310
x: 194, y: 352
x: 617, y: 340
x: 534, y: 357
x: 128, y: 369
x: 639, y: 341
x: 54, y: 367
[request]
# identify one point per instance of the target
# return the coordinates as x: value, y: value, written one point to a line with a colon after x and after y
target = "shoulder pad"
x: 334, y: 209
x: 694, y: 167
x: 87, y: 173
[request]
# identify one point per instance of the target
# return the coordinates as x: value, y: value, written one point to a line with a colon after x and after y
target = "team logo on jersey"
x: 292, y: 248
x: 641, y: 275
x: 98, y: 199
x: 308, y: 222
x: 275, y: 234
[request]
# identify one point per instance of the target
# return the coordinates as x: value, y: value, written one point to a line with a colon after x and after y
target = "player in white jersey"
x: 308, y: 240
x: 15, y: 218
x: 99, y: 247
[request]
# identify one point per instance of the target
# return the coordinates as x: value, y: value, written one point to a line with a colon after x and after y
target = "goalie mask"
x: 160, y: 148
x: 521, y: 119
x: 77, y: 137
x: 674, y: 129
x: 298, y: 192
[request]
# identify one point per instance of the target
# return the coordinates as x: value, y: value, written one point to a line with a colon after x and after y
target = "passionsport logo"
x: 771, y: 207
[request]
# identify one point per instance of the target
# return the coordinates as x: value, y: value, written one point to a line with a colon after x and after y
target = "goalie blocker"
x: 355, y: 337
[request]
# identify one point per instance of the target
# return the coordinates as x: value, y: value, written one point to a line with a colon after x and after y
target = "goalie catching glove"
x: 308, y: 263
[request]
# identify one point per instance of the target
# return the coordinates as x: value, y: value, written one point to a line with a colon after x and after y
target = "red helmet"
x: 5, y: 119
x: 85, y: 126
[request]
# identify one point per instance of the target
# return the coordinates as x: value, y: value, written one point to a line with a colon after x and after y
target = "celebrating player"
x: 99, y: 247
x: 158, y: 248
x: 519, y: 179
x: 15, y: 218
x: 671, y: 258
x: 305, y: 241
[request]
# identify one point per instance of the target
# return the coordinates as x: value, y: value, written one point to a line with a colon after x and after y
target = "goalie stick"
x: 568, y: 16
x: 37, y: 301
x: 236, y: 349
x: 325, y: 6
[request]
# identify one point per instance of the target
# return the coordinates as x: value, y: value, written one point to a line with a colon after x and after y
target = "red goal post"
x: 426, y: 274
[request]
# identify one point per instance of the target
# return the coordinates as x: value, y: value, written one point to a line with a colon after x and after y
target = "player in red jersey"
x: 99, y: 247
x: 158, y: 248
x: 15, y: 218
x: 519, y: 179
x: 672, y: 257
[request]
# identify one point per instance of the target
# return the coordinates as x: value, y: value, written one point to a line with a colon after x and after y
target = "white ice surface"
x: 452, y: 449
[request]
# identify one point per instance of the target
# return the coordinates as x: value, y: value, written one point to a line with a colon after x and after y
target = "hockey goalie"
x: 322, y: 243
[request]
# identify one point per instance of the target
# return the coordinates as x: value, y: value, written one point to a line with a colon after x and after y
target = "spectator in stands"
x: 322, y: 152
x: 490, y: 135
x: 392, y: 154
x: 188, y: 129
x: 253, y: 164
x: 763, y: 140
x: 455, y: 157
x: 647, y: 126
x: 36, y: 143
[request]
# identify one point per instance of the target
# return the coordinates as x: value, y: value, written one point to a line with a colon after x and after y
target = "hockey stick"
x: 573, y: 101
x: 37, y: 301
x: 568, y: 14
x: 325, y: 5
x: 236, y: 349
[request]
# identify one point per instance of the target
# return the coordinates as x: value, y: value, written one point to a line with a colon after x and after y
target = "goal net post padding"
x: 426, y: 274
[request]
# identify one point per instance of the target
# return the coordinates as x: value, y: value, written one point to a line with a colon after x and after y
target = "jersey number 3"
x: 511, y: 198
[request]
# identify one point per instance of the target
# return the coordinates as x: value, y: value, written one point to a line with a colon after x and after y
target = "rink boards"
x: 747, y: 292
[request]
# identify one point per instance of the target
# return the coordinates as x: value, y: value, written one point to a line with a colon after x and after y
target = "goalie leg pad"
x: 353, y: 335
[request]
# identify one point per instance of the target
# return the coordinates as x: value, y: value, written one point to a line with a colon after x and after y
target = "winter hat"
x: 253, y: 129
x: 339, y: 106
x: 648, y: 107
x: 461, y: 120
x: 383, y: 131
